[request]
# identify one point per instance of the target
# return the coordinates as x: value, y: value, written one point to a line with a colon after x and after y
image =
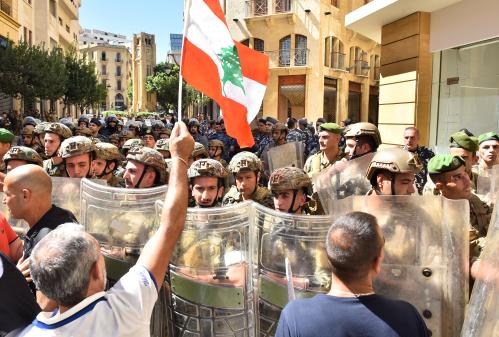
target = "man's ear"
x: 27, y: 194
x: 221, y: 191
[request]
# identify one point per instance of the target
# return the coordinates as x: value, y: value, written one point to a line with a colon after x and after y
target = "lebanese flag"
x: 232, y: 74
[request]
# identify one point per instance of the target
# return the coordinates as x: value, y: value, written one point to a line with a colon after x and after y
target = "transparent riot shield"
x: 342, y: 179
x: 300, y: 239
x: 122, y: 220
x: 210, y: 288
x: 482, y: 317
x: 488, y: 184
x: 66, y: 193
x: 289, y: 154
x: 426, y: 254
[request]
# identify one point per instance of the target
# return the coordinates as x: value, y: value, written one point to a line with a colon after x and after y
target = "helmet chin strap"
x: 104, y: 171
x: 137, y: 185
x: 291, y: 210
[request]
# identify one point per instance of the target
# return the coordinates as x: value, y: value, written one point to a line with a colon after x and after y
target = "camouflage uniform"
x: 261, y: 144
x: 199, y: 150
x: 206, y: 168
x: 220, y: 144
x: 110, y: 154
x: 291, y: 178
x: 63, y: 132
x: 162, y: 145
x: 152, y: 158
x: 204, y: 126
x: 77, y: 145
x: 54, y: 170
x: 247, y: 162
x: 318, y: 162
x: 296, y: 135
x: 229, y: 142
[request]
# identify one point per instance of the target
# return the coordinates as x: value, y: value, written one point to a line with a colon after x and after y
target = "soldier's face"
x: 246, y: 183
x: 149, y: 141
x: 115, y: 142
x: 193, y: 129
x: 98, y: 166
x: 78, y: 166
x: 51, y: 143
x: 205, y: 191
x: 27, y: 140
x: 403, y: 184
x: 352, y: 148
x: 283, y: 200
x: 12, y: 164
x: 456, y: 184
x: 469, y: 157
x: 133, y: 173
x: 411, y: 139
x: 164, y: 136
x: 489, y: 151
x: 215, y: 151
x: 328, y: 140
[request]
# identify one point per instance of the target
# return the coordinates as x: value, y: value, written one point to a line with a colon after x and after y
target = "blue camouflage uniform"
x: 229, y: 143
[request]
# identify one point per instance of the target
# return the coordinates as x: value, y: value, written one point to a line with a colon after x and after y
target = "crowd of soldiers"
x: 135, y: 153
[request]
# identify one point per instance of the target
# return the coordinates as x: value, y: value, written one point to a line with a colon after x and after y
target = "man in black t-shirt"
x: 351, y: 308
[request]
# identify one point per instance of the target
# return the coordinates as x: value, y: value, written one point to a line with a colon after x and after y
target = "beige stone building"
x: 318, y: 68
x: 113, y: 64
x: 143, y: 63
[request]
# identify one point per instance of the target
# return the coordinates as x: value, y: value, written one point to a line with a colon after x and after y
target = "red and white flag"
x: 232, y: 74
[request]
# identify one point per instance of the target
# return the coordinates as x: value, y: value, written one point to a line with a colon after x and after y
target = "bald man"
x: 28, y: 196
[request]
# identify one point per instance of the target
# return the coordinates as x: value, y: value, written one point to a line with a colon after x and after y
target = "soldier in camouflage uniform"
x: 207, y: 182
x: 262, y: 137
x: 115, y: 139
x: 465, y: 146
x: 133, y: 142
x: 216, y: 149
x: 199, y: 152
x: 83, y: 131
x: 27, y: 135
x: 489, y: 152
x: 164, y: 133
x: 291, y: 188
x: 124, y: 136
x: 21, y: 155
x: 448, y: 173
x: 55, y: 134
x: 329, y: 140
x: 163, y: 147
x: 279, y: 134
x: 246, y: 167
x: 230, y: 144
x: 145, y: 168
x: 6, y: 138
x: 39, y: 139
x: 105, y: 163
x: 361, y: 139
x: 77, y: 153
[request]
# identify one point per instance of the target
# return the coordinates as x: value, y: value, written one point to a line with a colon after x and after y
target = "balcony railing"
x: 5, y: 6
x: 288, y: 57
x: 268, y: 7
x: 338, y: 61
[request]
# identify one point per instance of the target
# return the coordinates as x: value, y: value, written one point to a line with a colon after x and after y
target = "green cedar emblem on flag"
x: 229, y: 58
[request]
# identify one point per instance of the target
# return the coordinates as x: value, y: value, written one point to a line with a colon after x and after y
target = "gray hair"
x: 61, y: 263
x: 353, y: 243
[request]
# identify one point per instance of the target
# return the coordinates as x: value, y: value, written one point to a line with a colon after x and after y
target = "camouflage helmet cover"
x: 289, y: 178
x: 165, y: 131
x: 245, y: 161
x: 133, y: 142
x: 107, y: 151
x: 216, y: 143
x: 125, y: 134
x: 23, y: 153
x: 162, y: 145
x: 199, y: 150
x: 207, y: 168
x: 59, y: 129
x: 149, y: 157
x: 114, y: 136
x: 363, y: 129
x: 75, y: 146
x: 395, y: 160
x: 40, y: 128
x: 83, y: 131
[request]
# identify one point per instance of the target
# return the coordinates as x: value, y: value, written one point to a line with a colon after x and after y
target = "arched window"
x: 103, y: 56
x: 285, y: 51
x: 259, y: 45
x: 300, y: 50
x: 119, y: 101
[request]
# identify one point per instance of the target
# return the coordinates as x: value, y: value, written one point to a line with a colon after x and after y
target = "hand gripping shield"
x: 278, y: 238
x: 210, y: 289
x: 482, y: 318
x: 342, y: 179
x: 289, y: 154
x: 488, y: 185
x: 426, y: 254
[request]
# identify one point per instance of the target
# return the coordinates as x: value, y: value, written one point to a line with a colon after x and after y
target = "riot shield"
x: 289, y: 154
x: 66, y: 193
x: 426, y: 254
x: 210, y: 288
x: 482, y: 317
x: 488, y: 185
x: 122, y: 220
x: 300, y: 239
x: 342, y: 179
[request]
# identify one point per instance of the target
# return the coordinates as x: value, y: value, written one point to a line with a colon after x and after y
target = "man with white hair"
x: 68, y: 267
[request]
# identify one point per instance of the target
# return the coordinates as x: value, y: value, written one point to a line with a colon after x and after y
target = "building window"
x: 300, y: 50
x: 148, y: 70
x: 52, y: 8
x: 259, y: 45
x: 119, y: 101
x: 6, y: 7
x: 68, y: 29
x: 118, y: 71
x: 103, y: 56
x: 285, y: 51
x: 118, y: 85
x: 118, y: 57
x: 358, y: 62
x: 334, y: 56
x: 60, y: 21
x: 103, y: 70
x: 375, y: 66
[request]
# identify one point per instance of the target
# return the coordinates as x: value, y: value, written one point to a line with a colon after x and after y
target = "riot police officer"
x: 207, y: 182
x: 246, y: 168
x: 145, y: 168
x: 360, y: 139
x: 105, y: 163
x: 392, y: 172
x: 77, y: 153
x: 291, y: 188
x: 55, y: 134
x: 21, y: 155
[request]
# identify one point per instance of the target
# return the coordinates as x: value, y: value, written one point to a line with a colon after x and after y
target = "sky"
x: 128, y: 17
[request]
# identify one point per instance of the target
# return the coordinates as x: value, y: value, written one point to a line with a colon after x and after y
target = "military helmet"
x: 395, y: 160
x: 28, y: 130
x: 23, y: 153
x: 29, y: 121
x: 279, y: 126
x: 75, y: 146
x: 199, y: 150
x: 290, y: 178
x: 107, y: 151
x: 216, y: 143
x: 83, y: 119
x: 59, y: 129
x: 363, y: 129
x: 245, y: 161
x: 126, y: 134
x: 162, y: 145
x: 83, y: 131
x: 67, y: 121
x: 133, y: 142
x: 149, y: 157
x: 165, y: 131
x: 193, y: 122
x: 115, y: 137
x: 207, y: 168
x: 111, y: 118
x: 40, y: 128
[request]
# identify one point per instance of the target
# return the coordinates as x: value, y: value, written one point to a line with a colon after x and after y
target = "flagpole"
x: 180, y: 77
